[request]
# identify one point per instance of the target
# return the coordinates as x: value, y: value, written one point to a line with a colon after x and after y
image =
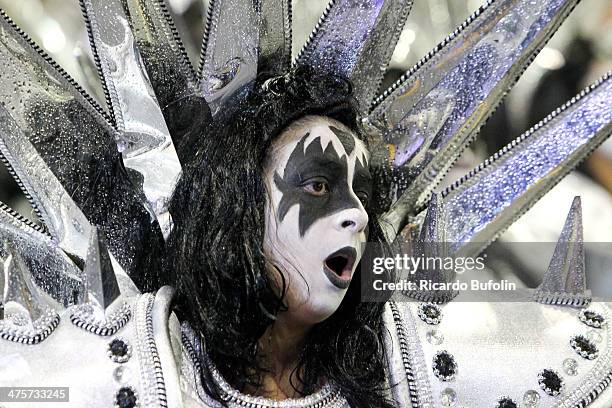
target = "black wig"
x: 216, y: 254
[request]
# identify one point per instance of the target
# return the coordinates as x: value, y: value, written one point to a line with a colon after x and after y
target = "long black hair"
x: 216, y: 254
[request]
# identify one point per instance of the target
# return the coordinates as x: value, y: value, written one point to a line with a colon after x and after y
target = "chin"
x: 325, y: 306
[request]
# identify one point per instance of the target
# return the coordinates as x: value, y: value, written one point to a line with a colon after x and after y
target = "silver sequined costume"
x: 73, y: 317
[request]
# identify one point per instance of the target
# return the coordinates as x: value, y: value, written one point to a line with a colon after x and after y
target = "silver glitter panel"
x: 356, y: 38
x: 433, y: 112
x: 169, y: 70
x: 143, y: 137
x: 63, y: 150
x: 483, y: 204
x: 242, y: 39
x: 51, y: 269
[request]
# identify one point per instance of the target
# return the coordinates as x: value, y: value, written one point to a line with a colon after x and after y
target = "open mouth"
x: 338, y: 267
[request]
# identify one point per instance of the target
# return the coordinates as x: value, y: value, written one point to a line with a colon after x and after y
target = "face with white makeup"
x: 318, y: 185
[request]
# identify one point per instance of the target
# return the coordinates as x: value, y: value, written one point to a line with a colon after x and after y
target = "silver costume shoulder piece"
x: 506, y: 350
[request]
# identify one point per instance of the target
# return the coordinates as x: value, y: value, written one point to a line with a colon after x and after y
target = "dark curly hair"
x: 216, y: 254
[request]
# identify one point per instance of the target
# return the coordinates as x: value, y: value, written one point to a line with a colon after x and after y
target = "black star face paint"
x: 319, y: 183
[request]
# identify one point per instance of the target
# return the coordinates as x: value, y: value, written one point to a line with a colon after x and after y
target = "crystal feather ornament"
x: 435, y: 110
x: 481, y: 205
x: 355, y: 39
x: 565, y: 279
x: 242, y: 39
x: 102, y: 309
x: 61, y: 147
x: 143, y: 137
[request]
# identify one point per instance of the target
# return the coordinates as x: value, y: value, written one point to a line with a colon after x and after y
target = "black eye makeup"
x: 317, y: 180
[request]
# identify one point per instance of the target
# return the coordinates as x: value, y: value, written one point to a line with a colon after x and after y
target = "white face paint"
x: 318, y: 181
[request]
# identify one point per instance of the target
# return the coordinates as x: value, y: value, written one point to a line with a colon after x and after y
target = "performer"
x: 257, y: 218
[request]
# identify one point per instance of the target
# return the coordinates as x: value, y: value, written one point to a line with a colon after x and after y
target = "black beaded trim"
x: 160, y: 385
x: 592, y: 318
x: 48, y: 325
x: 115, y: 323
x: 595, y: 392
x: 584, y: 347
x: 444, y: 366
x: 506, y: 402
x: 408, y: 368
x: 550, y: 382
x: 430, y: 313
x: 119, y: 357
x: 130, y: 395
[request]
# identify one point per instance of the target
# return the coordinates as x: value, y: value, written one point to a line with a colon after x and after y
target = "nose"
x: 353, y: 220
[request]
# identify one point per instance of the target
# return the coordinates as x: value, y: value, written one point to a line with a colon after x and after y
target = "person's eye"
x: 317, y: 188
x: 363, y: 197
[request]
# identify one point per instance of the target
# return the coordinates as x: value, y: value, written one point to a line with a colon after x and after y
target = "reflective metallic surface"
x: 242, y: 39
x: 143, y: 137
x: 432, y: 113
x: 480, y: 206
x: 51, y: 269
x: 565, y: 278
x: 355, y: 38
x: 62, y: 148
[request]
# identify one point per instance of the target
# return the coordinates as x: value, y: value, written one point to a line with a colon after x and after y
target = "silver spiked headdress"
x: 84, y: 166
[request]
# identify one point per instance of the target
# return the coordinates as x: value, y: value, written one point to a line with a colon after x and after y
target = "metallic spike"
x: 485, y: 202
x: 53, y: 271
x: 143, y: 137
x: 565, y: 276
x: 431, y: 244
x: 100, y: 283
x: 19, y: 292
x: 435, y: 110
x: 62, y: 149
x: 242, y: 39
x: 168, y: 67
x: 356, y: 38
x: 432, y: 230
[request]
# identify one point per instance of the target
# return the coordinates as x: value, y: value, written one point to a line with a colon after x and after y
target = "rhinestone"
x: 550, y: 382
x: 119, y: 351
x: 594, y: 336
x: 448, y: 397
x: 430, y: 313
x: 584, y: 347
x: 122, y: 374
x: 506, y: 402
x: 592, y: 318
x: 20, y: 319
x: 434, y: 337
x: 531, y: 399
x: 570, y: 366
x: 444, y: 366
x: 126, y: 398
